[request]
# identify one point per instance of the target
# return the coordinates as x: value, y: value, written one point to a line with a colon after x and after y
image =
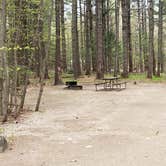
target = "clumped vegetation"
x: 59, y: 39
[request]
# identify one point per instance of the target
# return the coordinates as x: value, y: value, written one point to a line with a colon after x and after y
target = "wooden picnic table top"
x: 111, y: 78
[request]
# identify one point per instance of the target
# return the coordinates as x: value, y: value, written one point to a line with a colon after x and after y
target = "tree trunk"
x: 41, y: 53
x: 99, y: 40
x: 3, y: 54
x: 75, y: 42
x: 140, y: 36
x: 160, y: 38
x: 104, y: 35
x: 151, y: 40
x: 1, y: 96
x: 64, y: 60
x: 81, y: 37
x: 125, y: 35
x: 48, y: 40
x: 144, y: 32
x: 88, y: 39
x: 116, y: 62
x: 26, y: 78
x: 58, y: 64
x: 129, y: 38
x: 93, y: 56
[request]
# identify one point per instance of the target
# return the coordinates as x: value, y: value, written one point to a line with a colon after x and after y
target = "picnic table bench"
x: 112, y: 83
x: 97, y: 84
x: 119, y: 85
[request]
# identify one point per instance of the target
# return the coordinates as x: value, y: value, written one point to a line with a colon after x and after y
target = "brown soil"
x: 89, y: 128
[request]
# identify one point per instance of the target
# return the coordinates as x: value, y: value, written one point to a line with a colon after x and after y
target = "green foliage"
x: 1, y: 131
x: 137, y: 76
x: 143, y: 78
x: 67, y: 77
x: 110, y: 44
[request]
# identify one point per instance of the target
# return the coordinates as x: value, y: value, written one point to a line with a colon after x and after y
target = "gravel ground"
x: 89, y: 128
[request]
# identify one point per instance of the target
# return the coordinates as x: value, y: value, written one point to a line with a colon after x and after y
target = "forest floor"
x: 89, y: 128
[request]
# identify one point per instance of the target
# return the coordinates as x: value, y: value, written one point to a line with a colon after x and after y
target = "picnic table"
x: 108, y: 82
x: 111, y: 84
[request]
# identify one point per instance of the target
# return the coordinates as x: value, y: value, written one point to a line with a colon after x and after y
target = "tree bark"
x: 64, y: 59
x: 130, y: 54
x: 48, y: 40
x: 42, y: 54
x: 82, y: 36
x: 144, y: 32
x: 58, y: 63
x: 3, y: 54
x: 151, y: 39
x: 160, y: 39
x: 140, y: 36
x: 125, y: 37
x: 88, y: 39
x: 116, y: 62
x: 99, y: 40
x: 75, y: 42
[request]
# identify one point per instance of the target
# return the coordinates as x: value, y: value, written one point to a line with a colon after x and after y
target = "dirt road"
x: 88, y: 128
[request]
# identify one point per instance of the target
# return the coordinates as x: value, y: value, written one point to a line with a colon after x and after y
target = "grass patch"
x: 67, y: 77
x: 159, y: 79
x: 137, y: 76
x: 143, y: 78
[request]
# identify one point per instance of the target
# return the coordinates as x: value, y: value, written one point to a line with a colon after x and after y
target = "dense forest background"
x: 44, y: 39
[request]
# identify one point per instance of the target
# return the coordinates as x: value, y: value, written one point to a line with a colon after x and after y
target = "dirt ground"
x: 89, y: 128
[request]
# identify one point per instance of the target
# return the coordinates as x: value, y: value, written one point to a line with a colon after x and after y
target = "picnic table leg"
x: 105, y: 85
x: 96, y: 87
x: 110, y: 84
